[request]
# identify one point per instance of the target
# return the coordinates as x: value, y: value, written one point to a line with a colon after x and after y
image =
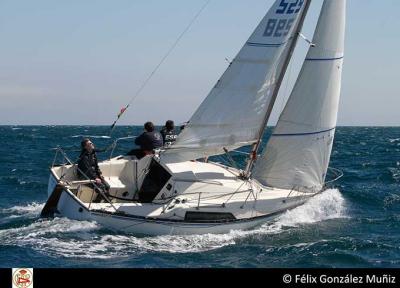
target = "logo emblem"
x: 22, y: 277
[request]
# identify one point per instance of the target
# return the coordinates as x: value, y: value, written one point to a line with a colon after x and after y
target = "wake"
x: 29, y: 211
x: 91, y: 136
x: 83, y: 239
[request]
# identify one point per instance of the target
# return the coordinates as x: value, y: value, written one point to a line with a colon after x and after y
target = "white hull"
x: 69, y: 208
x: 160, y: 217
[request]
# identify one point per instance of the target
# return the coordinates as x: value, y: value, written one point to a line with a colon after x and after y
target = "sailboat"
x: 178, y: 191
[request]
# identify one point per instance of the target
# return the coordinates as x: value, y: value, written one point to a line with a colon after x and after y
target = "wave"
x: 327, y: 205
x: 91, y: 136
x: 31, y: 208
x: 395, y: 173
x: 391, y: 200
x: 29, y: 211
x: 82, y: 239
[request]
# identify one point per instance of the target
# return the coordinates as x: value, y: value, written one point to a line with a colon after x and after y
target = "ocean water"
x: 355, y: 223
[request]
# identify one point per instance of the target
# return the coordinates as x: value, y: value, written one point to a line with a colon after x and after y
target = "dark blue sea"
x: 356, y: 223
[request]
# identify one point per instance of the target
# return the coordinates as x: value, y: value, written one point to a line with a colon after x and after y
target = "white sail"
x: 232, y: 114
x: 297, y: 154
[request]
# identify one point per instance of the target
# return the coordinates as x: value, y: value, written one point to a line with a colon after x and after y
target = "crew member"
x: 88, y: 168
x: 149, y: 140
x: 168, y: 133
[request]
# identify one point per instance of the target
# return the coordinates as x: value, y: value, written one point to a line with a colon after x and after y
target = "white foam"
x: 391, y: 200
x: 395, y: 173
x: 29, y: 211
x: 46, y: 237
x: 31, y: 208
x: 327, y: 205
x: 91, y: 136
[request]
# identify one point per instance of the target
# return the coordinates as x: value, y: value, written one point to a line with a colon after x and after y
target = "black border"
x: 109, y: 277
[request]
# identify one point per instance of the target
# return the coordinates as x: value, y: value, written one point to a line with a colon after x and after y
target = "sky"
x: 79, y: 62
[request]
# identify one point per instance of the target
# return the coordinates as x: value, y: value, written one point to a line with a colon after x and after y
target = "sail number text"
x: 278, y: 28
x: 281, y: 27
x: 287, y: 7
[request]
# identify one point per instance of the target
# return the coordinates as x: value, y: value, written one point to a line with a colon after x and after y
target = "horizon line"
x: 127, y: 125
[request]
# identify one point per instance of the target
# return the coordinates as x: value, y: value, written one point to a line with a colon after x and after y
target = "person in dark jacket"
x: 149, y: 140
x: 88, y: 167
x: 168, y: 133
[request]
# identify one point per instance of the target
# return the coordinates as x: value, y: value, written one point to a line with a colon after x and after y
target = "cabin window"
x: 208, y: 216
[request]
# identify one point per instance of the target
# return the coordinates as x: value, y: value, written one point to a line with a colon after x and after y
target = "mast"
x: 256, y: 146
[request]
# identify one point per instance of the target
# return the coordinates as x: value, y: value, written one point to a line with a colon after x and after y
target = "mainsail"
x: 232, y: 114
x: 297, y: 154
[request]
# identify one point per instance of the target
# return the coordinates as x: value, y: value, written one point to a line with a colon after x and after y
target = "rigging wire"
x: 123, y: 110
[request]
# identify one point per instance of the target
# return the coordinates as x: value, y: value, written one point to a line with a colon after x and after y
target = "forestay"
x: 232, y: 114
x: 297, y: 154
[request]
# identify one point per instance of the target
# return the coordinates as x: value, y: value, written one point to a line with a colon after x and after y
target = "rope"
x: 123, y: 110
